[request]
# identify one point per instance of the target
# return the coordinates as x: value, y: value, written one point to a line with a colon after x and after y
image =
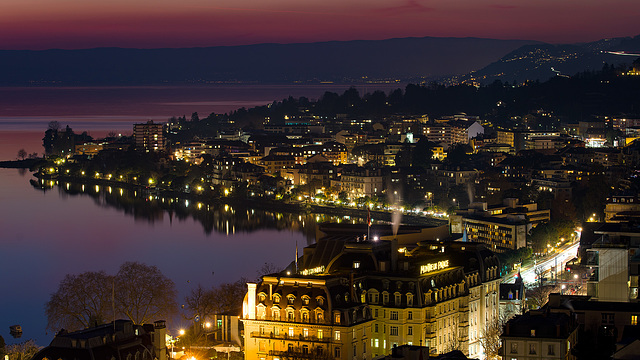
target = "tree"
x: 453, y: 342
x: 3, y: 349
x: 138, y: 292
x: 200, y: 302
x: 22, y: 154
x: 266, y: 269
x: 143, y: 294
x: 539, y: 295
x: 230, y: 296
x: 54, y: 125
x: 80, y: 301
x: 490, y: 337
x: 22, y: 351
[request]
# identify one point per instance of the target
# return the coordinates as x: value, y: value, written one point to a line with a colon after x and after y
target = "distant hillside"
x: 408, y: 59
x: 538, y: 61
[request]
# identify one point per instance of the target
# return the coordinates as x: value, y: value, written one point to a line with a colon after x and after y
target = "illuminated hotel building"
x: 358, y: 299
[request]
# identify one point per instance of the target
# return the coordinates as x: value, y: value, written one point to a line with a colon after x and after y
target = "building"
x: 88, y: 148
x: 498, y: 233
x: 121, y: 339
x: 609, y: 264
x: 512, y: 298
x: 602, y: 324
x: 529, y: 140
x: 612, y: 253
x: 622, y: 208
x: 361, y: 181
x: 148, y: 136
x: 277, y: 164
x: 539, y: 335
x: 360, y: 299
x: 498, y: 229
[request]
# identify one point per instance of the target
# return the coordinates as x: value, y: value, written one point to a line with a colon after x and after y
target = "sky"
x: 76, y: 24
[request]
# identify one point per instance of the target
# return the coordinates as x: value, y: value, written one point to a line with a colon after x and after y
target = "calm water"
x: 47, y: 233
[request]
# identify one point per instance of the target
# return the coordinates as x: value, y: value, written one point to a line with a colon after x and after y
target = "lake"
x: 49, y: 230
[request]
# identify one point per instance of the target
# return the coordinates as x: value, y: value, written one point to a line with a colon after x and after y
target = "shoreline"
x: 20, y: 164
x: 261, y: 204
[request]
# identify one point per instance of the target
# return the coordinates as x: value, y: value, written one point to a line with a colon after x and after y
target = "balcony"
x: 295, y: 354
x: 270, y: 335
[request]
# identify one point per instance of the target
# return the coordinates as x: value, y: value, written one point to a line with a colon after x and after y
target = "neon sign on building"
x: 427, y: 268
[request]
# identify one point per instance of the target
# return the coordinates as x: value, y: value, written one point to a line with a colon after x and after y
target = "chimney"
x: 251, y: 301
x: 159, y: 338
x: 351, y: 287
x: 394, y: 254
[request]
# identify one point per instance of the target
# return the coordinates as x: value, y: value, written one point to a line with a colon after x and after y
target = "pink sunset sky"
x: 73, y: 24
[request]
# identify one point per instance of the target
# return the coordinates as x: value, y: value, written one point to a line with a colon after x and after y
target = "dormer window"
x: 275, y: 314
x: 276, y: 299
x: 356, y: 264
x: 291, y: 299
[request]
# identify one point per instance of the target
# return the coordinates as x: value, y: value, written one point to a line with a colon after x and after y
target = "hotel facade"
x: 359, y: 299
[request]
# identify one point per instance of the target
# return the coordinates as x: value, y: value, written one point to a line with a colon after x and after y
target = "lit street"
x: 556, y: 260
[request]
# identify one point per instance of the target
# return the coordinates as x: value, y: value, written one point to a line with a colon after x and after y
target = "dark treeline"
x: 586, y: 94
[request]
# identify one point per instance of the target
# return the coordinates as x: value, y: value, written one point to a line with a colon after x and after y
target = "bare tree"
x: 54, y: 125
x: 230, y: 296
x: 143, y: 294
x: 266, y: 269
x: 200, y: 302
x: 80, y: 301
x: 453, y: 342
x: 22, y: 153
x: 539, y: 295
x: 490, y: 337
x: 22, y: 351
x: 138, y: 292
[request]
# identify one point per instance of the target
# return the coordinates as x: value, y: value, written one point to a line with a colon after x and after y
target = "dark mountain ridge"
x: 544, y: 61
x: 406, y: 59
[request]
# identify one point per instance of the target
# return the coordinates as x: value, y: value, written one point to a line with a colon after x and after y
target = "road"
x: 559, y: 258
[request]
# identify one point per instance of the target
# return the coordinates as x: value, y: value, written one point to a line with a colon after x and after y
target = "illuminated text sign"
x: 315, y: 270
x: 427, y: 268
